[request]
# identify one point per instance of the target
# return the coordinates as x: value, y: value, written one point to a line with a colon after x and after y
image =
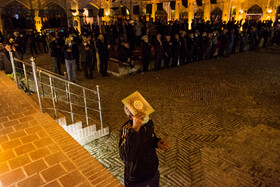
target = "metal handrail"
x: 23, y: 62
x: 67, y: 81
x: 69, y: 113
x: 51, y: 76
x: 82, y: 97
x: 57, y: 76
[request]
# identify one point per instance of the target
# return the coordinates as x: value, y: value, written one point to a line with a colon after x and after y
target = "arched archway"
x: 90, y: 13
x: 122, y: 12
x: 17, y: 16
x: 161, y: 15
x: 53, y: 16
x: 254, y: 13
x: 199, y: 14
x: 256, y: 9
x: 216, y: 14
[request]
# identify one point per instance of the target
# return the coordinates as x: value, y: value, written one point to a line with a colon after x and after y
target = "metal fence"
x: 78, y: 101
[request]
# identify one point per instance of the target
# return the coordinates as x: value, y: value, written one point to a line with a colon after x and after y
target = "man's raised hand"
x: 137, y: 121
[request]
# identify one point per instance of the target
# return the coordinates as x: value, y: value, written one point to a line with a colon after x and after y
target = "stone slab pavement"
x: 220, y: 116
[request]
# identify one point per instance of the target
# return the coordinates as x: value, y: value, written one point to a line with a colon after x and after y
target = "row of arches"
x: 17, y: 16
x: 215, y: 14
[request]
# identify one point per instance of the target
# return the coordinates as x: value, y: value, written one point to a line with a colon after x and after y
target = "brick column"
x: 226, y: 10
x: 190, y: 13
x: 154, y: 9
x: 177, y: 10
x: 207, y: 11
x: 38, y: 20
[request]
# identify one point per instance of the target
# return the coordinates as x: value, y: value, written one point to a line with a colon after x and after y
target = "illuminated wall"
x: 231, y: 8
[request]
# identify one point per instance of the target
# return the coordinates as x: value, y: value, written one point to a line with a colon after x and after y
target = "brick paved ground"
x: 220, y: 116
x: 36, y: 151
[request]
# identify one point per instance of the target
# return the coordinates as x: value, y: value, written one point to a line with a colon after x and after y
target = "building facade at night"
x: 48, y: 14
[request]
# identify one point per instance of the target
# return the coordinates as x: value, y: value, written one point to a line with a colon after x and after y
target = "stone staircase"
x: 82, y: 135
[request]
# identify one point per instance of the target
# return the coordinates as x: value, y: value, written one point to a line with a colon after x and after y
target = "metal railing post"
x: 26, y: 78
x: 53, y: 96
x: 66, y: 91
x: 36, y: 82
x: 70, y: 102
x: 99, y: 104
x: 54, y: 90
x: 13, y: 67
x: 42, y: 86
x: 85, y: 101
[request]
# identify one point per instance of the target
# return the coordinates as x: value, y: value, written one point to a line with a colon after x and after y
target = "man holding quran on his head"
x: 138, y: 143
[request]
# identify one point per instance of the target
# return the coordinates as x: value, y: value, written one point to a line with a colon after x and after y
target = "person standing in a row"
x: 70, y: 61
x: 55, y: 48
x: 167, y: 49
x: 103, y: 51
x: 158, y: 52
x: 146, y: 53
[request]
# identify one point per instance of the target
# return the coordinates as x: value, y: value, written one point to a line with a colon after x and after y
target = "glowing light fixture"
x: 75, y: 13
x: 269, y: 10
x: 107, y: 12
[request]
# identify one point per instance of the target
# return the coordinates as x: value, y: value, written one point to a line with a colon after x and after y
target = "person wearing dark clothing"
x: 88, y: 63
x: 196, y: 47
x: 203, y: 46
x: 124, y: 54
x: 183, y: 48
x: 22, y: 43
x: 54, y: 51
x: 175, y: 50
x: 103, y: 51
x: 5, y: 63
x: 131, y: 35
x: 60, y: 45
x: 76, y: 42
x: 18, y: 55
x: 236, y: 43
x: 167, y: 50
x: 214, y: 44
x: 70, y: 62
x: 231, y: 42
x: 254, y: 39
x: 190, y: 46
x: 146, y: 53
x: 91, y: 43
x: 209, y: 45
x: 37, y: 41
x: 224, y: 43
x: 31, y: 43
x: 137, y: 147
x: 158, y: 52
x: 44, y: 41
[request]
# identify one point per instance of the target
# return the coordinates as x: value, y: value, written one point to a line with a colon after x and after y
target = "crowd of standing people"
x: 167, y: 44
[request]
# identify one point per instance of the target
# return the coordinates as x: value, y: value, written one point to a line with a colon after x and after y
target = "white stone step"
x: 96, y: 134
x: 73, y: 128
x: 61, y: 121
x: 87, y: 131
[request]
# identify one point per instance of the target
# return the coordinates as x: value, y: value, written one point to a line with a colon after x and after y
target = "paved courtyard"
x: 221, y: 118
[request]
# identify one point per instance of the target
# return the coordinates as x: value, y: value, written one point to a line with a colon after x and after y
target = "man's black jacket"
x: 137, y: 150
